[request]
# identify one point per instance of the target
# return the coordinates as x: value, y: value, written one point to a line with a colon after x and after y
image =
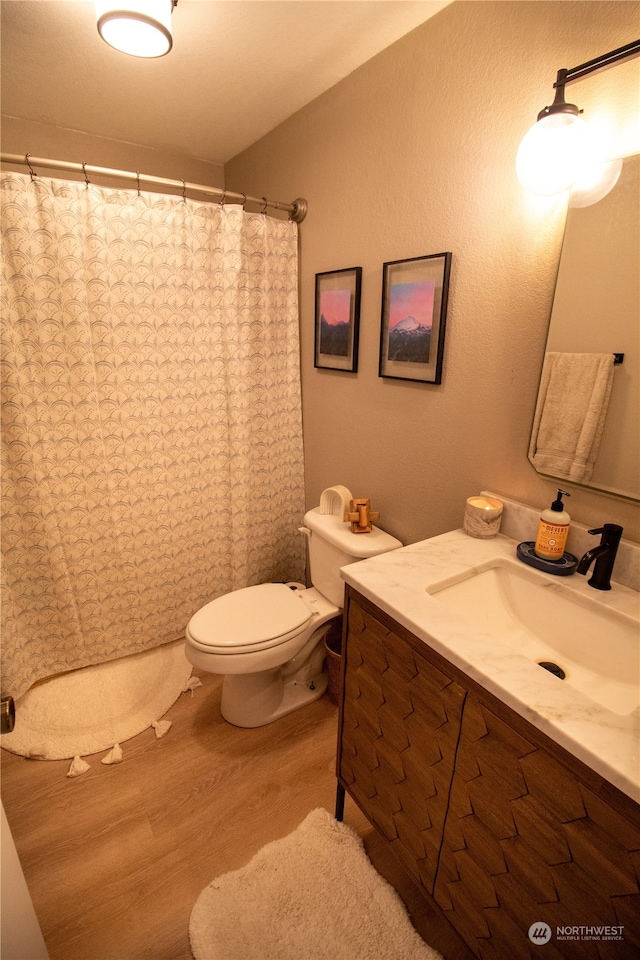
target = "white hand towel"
x: 570, y: 413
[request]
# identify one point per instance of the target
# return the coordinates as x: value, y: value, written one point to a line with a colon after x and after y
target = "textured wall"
x: 57, y: 143
x: 414, y: 154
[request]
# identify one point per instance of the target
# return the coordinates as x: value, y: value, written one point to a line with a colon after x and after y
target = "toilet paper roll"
x: 482, y: 517
x: 335, y: 500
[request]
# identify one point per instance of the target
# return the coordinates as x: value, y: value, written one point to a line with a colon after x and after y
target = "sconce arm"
x: 598, y: 63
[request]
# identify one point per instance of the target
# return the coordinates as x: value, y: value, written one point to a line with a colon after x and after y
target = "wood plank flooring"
x: 116, y: 858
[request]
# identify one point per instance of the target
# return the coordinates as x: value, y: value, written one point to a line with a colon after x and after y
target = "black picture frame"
x: 415, y: 294
x: 337, y: 319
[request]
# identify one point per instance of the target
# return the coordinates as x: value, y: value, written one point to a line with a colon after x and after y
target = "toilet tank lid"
x: 338, y: 533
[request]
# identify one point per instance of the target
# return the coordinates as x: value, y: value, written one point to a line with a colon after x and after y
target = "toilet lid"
x: 260, y: 616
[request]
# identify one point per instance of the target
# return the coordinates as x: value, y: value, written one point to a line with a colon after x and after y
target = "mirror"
x: 596, y: 310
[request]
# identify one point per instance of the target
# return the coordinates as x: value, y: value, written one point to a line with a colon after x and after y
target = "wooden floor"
x: 116, y: 858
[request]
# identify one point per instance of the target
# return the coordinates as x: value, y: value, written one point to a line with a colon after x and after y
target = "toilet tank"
x: 332, y: 545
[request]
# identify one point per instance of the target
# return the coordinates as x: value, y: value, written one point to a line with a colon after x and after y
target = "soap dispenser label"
x: 551, y: 541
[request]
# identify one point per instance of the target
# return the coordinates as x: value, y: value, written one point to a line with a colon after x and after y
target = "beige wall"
x: 413, y: 154
x: 57, y: 143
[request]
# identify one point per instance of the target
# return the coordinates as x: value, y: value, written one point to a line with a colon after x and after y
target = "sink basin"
x: 598, y: 649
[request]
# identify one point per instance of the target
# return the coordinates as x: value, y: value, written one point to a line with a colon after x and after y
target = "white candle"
x: 482, y: 516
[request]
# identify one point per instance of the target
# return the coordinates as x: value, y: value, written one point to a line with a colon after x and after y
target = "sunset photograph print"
x: 335, y: 316
x: 410, y: 321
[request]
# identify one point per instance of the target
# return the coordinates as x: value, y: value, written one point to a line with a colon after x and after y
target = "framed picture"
x: 338, y: 319
x: 414, y: 313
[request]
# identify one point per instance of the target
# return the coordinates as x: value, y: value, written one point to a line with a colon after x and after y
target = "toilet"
x: 266, y: 640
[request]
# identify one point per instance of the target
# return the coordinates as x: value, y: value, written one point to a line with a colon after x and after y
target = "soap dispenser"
x: 553, y: 530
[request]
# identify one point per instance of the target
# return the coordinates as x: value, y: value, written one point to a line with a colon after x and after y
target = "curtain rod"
x: 297, y: 210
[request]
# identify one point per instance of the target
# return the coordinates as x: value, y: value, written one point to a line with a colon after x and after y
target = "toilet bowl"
x: 266, y: 640
x: 262, y: 639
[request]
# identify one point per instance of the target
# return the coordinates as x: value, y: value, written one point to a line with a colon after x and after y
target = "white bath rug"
x: 98, y: 707
x: 314, y: 895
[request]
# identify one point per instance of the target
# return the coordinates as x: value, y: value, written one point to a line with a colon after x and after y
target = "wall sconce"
x: 141, y: 28
x: 559, y: 151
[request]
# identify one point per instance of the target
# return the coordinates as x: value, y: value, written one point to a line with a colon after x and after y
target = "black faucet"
x: 604, y: 555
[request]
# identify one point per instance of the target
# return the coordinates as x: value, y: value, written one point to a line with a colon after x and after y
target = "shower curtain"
x: 151, y: 419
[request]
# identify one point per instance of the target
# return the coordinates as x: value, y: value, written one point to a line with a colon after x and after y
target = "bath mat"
x: 97, y: 707
x: 314, y: 894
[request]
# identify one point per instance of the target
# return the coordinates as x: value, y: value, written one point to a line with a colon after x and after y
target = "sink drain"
x: 553, y: 668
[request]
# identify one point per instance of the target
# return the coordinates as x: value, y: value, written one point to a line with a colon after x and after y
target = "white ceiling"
x: 237, y: 68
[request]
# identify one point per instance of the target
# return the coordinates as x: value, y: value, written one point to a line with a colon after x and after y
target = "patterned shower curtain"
x: 152, y: 437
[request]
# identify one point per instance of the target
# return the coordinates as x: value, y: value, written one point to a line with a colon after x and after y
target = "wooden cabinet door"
x: 400, y: 723
x: 526, y: 841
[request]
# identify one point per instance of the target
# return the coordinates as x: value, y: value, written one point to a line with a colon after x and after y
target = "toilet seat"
x: 250, y: 619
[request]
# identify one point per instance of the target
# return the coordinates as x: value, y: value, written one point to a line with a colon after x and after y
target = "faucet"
x: 604, y: 555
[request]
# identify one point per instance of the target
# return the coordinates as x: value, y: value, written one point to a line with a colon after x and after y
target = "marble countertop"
x: 397, y: 582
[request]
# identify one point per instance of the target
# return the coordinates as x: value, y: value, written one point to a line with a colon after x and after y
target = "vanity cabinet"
x: 497, y: 824
x: 400, y: 723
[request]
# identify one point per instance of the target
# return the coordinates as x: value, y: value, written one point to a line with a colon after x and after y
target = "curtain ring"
x: 184, y: 191
x: 86, y: 178
x: 223, y: 198
x: 264, y: 206
x: 244, y: 200
x: 32, y: 172
x: 138, y: 179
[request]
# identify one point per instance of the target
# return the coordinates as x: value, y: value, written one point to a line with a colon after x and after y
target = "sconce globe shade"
x: 551, y: 153
x: 141, y: 28
x: 594, y: 182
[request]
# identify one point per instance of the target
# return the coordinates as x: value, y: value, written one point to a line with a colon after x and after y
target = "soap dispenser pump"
x: 553, y: 530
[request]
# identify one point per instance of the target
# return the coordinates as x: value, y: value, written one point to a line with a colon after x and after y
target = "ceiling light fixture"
x: 141, y: 28
x: 555, y: 153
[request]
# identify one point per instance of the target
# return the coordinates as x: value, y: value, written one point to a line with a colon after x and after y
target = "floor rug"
x: 313, y: 895
x: 94, y: 708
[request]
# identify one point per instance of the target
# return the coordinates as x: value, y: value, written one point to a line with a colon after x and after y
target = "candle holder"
x: 482, y: 517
